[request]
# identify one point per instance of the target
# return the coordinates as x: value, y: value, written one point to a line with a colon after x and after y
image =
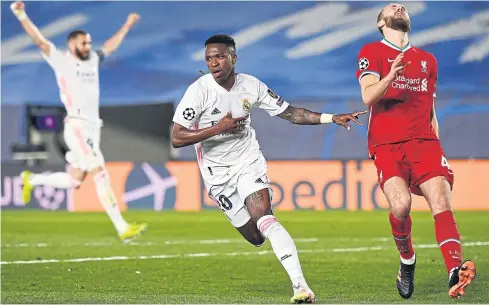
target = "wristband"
x: 21, y: 15
x: 326, y: 118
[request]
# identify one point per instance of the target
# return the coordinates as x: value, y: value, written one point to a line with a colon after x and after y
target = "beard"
x: 398, y: 24
x: 80, y: 55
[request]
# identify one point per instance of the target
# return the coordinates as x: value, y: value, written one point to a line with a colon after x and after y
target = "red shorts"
x: 416, y: 161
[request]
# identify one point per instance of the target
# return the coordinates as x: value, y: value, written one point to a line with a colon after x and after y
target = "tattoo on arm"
x: 300, y: 116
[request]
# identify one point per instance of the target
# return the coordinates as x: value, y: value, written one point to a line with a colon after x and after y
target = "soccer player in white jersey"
x: 214, y: 115
x: 77, y: 76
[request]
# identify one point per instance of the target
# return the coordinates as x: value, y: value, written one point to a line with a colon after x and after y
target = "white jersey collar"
x: 391, y: 45
x: 221, y: 88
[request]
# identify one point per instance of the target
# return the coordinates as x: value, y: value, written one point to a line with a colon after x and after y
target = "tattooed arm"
x: 276, y: 106
x: 300, y: 116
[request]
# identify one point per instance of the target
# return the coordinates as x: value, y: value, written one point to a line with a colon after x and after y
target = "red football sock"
x: 401, y: 231
x: 448, y: 239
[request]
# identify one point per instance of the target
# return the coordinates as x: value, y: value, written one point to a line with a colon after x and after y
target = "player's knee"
x: 257, y: 240
x: 402, y: 207
x: 438, y: 193
x: 76, y: 181
x: 400, y: 204
x: 77, y: 176
x: 443, y: 198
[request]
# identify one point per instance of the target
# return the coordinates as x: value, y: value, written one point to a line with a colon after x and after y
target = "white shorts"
x: 83, y: 140
x: 230, y: 196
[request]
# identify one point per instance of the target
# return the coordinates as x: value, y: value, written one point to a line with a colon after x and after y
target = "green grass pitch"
x: 347, y: 257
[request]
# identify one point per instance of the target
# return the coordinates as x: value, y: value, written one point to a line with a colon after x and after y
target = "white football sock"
x: 451, y: 272
x: 284, y: 249
x: 58, y: 180
x: 410, y: 261
x: 108, y: 200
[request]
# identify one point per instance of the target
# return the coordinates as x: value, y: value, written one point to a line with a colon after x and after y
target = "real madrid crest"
x: 246, y: 105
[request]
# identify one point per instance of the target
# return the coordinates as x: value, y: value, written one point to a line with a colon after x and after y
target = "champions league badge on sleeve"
x: 189, y: 114
x: 363, y: 63
x: 272, y: 94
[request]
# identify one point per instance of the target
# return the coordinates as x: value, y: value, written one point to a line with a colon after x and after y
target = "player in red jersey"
x: 398, y: 83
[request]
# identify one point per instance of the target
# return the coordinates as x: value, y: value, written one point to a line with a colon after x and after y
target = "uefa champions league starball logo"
x: 48, y: 197
x: 363, y: 63
x: 189, y: 114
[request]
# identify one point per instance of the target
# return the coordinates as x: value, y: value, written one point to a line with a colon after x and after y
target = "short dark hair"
x: 75, y: 34
x: 380, y: 17
x: 222, y: 38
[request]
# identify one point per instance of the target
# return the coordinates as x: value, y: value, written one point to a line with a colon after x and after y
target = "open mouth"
x: 217, y: 73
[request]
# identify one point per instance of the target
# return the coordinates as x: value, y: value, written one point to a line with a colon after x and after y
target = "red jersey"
x: 404, y: 113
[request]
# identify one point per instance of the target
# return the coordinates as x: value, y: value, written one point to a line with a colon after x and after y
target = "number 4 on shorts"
x: 444, y: 163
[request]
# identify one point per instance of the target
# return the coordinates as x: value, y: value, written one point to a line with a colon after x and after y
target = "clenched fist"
x: 17, y: 8
x: 132, y: 19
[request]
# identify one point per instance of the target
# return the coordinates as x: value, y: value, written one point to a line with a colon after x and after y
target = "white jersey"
x: 78, y: 83
x: 205, y: 102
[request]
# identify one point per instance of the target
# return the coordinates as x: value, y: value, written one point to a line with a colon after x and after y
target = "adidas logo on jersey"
x: 259, y: 180
x: 215, y: 111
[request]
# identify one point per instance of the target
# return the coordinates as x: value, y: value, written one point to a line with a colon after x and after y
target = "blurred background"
x: 305, y: 51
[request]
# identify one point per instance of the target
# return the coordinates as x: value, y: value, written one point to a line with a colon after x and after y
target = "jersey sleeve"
x: 368, y: 62
x: 101, y: 55
x: 269, y: 101
x: 189, y: 109
x: 55, y: 58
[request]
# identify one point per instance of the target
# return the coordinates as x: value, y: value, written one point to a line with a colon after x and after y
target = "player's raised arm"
x: 115, y: 41
x: 18, y: 8
x: 374, y: 88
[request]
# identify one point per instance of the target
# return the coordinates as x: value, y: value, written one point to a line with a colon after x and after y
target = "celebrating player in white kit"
x: 214, y: 115
x: 77, y: 76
